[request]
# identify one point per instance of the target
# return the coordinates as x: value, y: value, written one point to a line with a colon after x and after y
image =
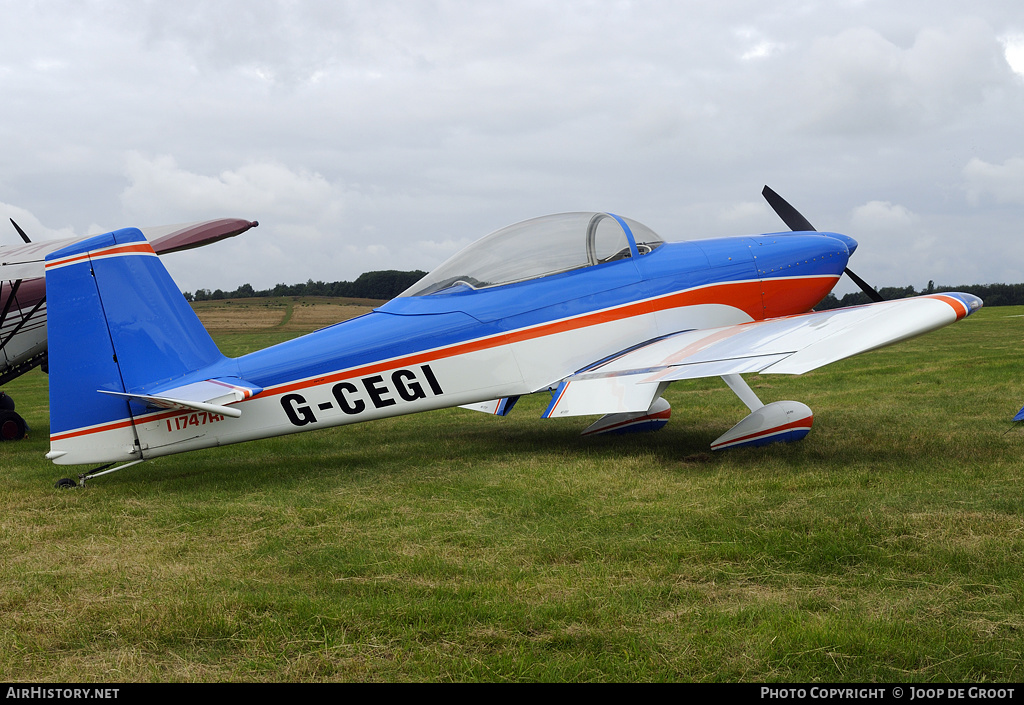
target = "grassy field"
x: 454, y: 546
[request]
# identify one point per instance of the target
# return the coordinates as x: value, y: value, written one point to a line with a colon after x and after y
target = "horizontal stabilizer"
x: 210, y: 395
x: 169, y: 403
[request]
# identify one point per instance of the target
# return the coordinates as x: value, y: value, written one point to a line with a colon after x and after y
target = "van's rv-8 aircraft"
x: 23, y: 298
x: 593, y: 307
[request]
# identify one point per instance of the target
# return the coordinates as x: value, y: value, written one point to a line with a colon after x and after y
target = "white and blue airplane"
x: 593, y: 307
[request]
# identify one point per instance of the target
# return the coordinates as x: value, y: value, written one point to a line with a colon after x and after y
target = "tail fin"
x: 116, y: 322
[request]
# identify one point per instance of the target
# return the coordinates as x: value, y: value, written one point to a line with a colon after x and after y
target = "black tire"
x: 65, y: 483
x: 12, y: 426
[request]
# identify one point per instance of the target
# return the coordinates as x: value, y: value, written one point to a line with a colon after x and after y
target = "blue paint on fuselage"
x: 792, y: 254
x: 408, y: 325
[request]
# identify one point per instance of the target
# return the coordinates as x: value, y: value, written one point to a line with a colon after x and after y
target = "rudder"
x: 116, y: 322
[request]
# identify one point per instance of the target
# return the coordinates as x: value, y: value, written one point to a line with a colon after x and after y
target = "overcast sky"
x: 388, y: 134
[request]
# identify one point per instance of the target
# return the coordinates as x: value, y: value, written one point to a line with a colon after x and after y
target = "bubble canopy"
x: 540, y: 247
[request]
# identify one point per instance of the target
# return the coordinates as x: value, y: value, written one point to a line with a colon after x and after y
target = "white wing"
x: 791, y: 345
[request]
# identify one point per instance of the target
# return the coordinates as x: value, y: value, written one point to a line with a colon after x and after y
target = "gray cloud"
x: 373, y: 135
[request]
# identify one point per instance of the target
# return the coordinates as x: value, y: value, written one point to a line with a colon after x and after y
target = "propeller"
x: 20, y: 231
x: 792, y: 217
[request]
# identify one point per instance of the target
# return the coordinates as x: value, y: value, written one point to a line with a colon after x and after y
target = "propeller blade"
x: 790, y: 215
x: 20, y: 231
x: 864, y: 286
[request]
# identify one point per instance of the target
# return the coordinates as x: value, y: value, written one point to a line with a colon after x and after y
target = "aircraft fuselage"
x: 464, y: 345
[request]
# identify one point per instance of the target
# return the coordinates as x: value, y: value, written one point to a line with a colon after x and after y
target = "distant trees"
x: 991, y: 294
x: 995, y: 294
x: 858, y: 298
x: 385, y: 284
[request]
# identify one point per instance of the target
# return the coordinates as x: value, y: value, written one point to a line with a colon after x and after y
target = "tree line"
x: 991, y: 294
x: 385, y: 284
x: 388, y: 284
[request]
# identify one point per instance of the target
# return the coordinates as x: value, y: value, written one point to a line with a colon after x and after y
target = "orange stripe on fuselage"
x: 784, y: 297
x: 112, y: 426
x: 742, y: 295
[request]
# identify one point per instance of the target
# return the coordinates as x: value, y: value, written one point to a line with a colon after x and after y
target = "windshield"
x: 537, y: 248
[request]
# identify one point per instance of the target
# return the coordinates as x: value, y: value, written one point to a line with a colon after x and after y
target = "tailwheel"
x: 65, y: 483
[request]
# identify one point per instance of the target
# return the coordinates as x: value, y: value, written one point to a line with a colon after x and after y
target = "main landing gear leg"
x: 67, y: 482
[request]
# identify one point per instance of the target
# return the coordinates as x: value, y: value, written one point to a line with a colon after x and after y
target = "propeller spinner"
x: 792, y: 217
